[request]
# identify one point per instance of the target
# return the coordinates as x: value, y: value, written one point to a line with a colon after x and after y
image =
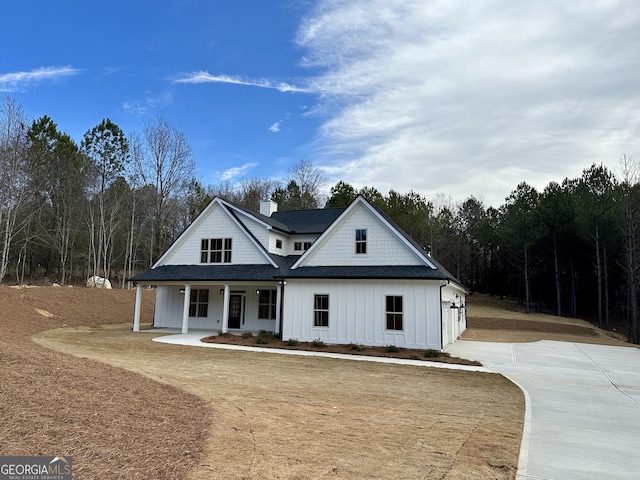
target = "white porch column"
x: 225, y: 309
x: 278, y: 307
x: 185, y: 308
x: 136, y: 310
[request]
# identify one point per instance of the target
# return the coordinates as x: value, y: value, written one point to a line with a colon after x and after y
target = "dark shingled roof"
x: 183, y: 273
x: 307, y: 221
x: 169, y: 273
x: 412, y: 272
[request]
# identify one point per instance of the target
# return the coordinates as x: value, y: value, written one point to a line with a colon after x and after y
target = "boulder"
x: 98, y: 282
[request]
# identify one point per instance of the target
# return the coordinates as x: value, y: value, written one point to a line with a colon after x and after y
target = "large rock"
x: 98, y: 282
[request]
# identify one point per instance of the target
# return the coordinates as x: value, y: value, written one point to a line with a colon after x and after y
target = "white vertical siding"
x: 217, y: 224
x: 357, y: 312
x: 169, y: 303
x: 383, y: 246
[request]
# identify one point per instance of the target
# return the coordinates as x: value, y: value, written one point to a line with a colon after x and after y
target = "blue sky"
x: 448, y: 98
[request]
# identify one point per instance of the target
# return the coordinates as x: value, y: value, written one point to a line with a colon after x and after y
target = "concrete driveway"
x: 583, y: 406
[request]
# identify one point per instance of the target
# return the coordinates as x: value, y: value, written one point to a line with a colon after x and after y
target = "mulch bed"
x: 404, y: 353
x: 529, y: 326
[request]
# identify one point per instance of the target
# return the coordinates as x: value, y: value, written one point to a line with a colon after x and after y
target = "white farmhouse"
x: 343, y: 275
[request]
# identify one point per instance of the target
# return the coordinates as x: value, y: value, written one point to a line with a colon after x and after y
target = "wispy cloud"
x: 150, y: 101
x: 470, y: 98
x: 206, y: 77
x: 20, y: 81
x: 235, y: 172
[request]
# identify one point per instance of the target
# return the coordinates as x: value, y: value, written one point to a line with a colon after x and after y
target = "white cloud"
x: 235, y: 172
x: 275, y: 128
x: 471, y: 98
x: 206, y: 77
x: 19, y: 81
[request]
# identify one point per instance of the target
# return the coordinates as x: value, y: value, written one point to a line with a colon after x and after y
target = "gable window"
x: 394, y: 312
x: 279, y: 243
x: 215, y: 250
x: 361, y: 240
x: 321, y: 310
x: 199, y: 303
x: 267, y: 305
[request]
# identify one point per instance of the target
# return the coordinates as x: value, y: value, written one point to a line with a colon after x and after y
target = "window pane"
x: 227, y: 257
x: 389, y: 303
x: 227, y: 244
x: 322, y: 302
x: 394, y: 304
x: 203, y: 296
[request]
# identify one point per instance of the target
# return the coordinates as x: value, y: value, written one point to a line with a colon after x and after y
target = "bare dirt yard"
x: 76, y: 381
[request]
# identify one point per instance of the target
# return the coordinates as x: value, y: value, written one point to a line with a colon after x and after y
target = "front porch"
x: 225, y: 307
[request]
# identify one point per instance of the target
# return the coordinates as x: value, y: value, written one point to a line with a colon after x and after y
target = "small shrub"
x: 392, y: 349
x: 292, y: 342
x: 357, y: 347
x: 264, y: 337
x: 432, y: 353
x: 318, y: 343
x: 247, y: 335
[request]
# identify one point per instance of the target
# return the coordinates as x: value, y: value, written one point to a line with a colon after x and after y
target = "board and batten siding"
x: 357, y: 312
x: 217, y: 224
x: 169, y: 305
x: 383, y: 246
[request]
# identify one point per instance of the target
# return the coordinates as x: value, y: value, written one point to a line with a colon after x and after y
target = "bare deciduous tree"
x: 166, y: 164
x: 13, y: 177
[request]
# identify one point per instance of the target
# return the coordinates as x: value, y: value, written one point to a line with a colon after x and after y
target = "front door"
x: 235, y: 311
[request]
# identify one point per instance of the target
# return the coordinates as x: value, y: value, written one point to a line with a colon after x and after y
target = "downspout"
x: 282, y: 284
x: 440, y: 309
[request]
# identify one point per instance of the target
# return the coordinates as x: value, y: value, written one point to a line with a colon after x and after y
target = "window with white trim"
x: 394, y: 312
x: 361, y: 240
x: 199, y: 303
x: 321, y: 310
x: 278, y: 243
x: 215, y: 250
x: 267, y: 305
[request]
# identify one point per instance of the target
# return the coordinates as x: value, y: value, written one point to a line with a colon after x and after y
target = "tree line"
x: 111, y: 205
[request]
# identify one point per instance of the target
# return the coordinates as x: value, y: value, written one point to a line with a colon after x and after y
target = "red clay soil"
x: 529, y: 326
